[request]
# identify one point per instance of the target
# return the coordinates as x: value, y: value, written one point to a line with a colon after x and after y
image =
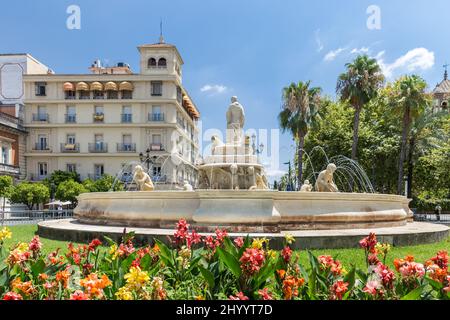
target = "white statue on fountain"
x: 235, y: 121
x: 142, y: 179
x: 324, y: 182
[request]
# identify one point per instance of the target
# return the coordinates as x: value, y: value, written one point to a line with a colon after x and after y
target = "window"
x: 162, y: 63
x: 126, y: 114
x: 40, y: 88
x: 70, y: 95
x: 156, y: 170
x: 99, y: 170
x: 98, y: 114
x: 126, y: 94
x: 179, y: 95
x: 156, y: 114
x: 112, y: 94
x: 98, y: 110
x: 42, y: 169
x: 71, y: 167
x: 42, y: 142
x: 41, y: 114
x: 98, y: 94
x: 156, y: 88
x: 126, y: 140
x: 5, y: 154
x: 71, y: 116
x: 156, y: 139
x: 84, y: 94
x: 70, y: 139
x: 99, y: 144
x: 151, y: 63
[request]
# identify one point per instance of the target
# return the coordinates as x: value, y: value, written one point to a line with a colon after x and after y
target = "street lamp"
x: 146, y: 159
x: 289, y: 186
x: 259, y: 150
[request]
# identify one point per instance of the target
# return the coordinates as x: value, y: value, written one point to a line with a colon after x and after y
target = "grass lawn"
x: 25, y: 233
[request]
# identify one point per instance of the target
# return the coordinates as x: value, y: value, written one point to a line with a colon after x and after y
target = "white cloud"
x: 318, y: 41
x: 413, y: 60
x: 213, y: 88
x: 360, y: 50
x: 330, y: 56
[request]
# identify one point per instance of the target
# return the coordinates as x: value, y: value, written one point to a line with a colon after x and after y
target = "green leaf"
x: 209, y: 277
x: 230, y: 261
x: 312, y: 285
x: 264, y: 274
x: 435, y: 284
x: 165, y: 253
x: 38, y: 267
x: 230, y: 247
x: 109, y: 240
x: 350, y: 278
x: 313, y: 262
x: 145, y: 262
x: 413, y: 295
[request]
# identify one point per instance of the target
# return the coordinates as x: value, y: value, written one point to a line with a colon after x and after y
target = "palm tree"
x: 423, y: 137
x: 300, y: 112
x: 358, y: 85
x: 409, y: 99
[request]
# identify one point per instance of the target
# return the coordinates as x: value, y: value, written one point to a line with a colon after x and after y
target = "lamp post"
x: 146, y: 158
x: 259, y: 150
x: 289, y: 185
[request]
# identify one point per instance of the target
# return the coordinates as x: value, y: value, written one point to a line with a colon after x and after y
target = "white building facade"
x: 99, y: 123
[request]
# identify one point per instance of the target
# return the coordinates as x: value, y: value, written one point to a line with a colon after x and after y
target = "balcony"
x: 9, y: 169
x: 40, y: 117
x: 70, y: 95
x: 99, y: 117
x: 126, y: 147
x: 70, y: 147
x: 98, y: 147
x: 156, y: 147
x: 156, y: 117
x: 127, y: 117
x: 41, y: 147
x: 71, y: 118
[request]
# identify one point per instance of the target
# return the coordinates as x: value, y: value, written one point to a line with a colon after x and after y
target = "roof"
x: 443, y: 87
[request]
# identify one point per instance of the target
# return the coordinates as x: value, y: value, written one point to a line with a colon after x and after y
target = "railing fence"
x: 8, y: 218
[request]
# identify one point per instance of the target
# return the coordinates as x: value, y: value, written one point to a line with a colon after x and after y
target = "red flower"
x: 239, y: 242
x: 264, y: 294
x: 287, y: 254
x: 412, y: 270
x: 328, y: 263
x: 338, y: 289
x: 182, y: 230
x: 79, y: 295
x: 221, y: 234
x: 239, y: 296
x: 373, y: 260
x: 369, y: 242
x: 94, y: 244
x: 386, y: 275
x: 441, y: 259
x: 211, y: 243
x: 252, y: 260
x: 193, y: 238
x: 35, y: 245
x: 12, y: 296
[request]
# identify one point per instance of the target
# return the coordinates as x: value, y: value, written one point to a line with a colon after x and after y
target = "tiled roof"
x: 443, y: 87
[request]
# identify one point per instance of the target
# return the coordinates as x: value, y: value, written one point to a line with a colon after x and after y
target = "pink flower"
x: 338, y: 289
x: 35, y: 244
x: 369, y: 242
x: 182, y: 230
x: 239, y: 296
x: 328, y: 263
x: 386, y: 275
x: 211, y: 243
x: 287, y: 254
x: 221, y: 234
x: 372, y: 287
x: 193, y: 238
x: 239, y: 242
x: 412, y: 270
x: 79, y: 295
x: 264, y: 294
x: 252, y: 260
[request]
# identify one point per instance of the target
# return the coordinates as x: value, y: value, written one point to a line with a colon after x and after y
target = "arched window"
x: 444, y: 105
x: 151, y: 62
x: 162, y: 62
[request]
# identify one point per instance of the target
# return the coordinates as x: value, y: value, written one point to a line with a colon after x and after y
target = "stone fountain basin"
x: 244, y: 211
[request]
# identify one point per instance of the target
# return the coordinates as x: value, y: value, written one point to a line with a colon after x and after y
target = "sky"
x: 247, y: 48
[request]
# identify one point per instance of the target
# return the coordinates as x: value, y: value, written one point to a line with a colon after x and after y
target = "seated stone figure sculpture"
x: 306, y: 187
x: 142, y: 179
x: 324, y: 182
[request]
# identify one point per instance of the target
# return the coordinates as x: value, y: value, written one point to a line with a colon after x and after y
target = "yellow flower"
x: 124, y: 293
x: 137, y: 278
x: 200, y: 297
x: 5, y: 233
x: 272, y: 254
x: 289, y: 238
x: 258, y: 243
x: 383, y: 248
x: 344, y: 271
x: 113, y: 251
x: 22, y: 247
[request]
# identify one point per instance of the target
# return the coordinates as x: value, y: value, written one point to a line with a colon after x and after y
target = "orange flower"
x: 43, y: 276
x: 95, y: 285
x: 63, y: 277
x: 291, y: 285
x: 281, y: 273
x: 24, y: 287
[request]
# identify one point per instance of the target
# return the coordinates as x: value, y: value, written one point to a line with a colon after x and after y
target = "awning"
x: 96, y: 86
x: 111, y: 86
x: 68, y: 86
x: 82, y: 86
x: 126, y: 86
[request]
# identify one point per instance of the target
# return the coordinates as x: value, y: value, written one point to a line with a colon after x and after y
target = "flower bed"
x: 211, y: 267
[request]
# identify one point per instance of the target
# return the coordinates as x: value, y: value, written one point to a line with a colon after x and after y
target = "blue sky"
x: 248, y: 48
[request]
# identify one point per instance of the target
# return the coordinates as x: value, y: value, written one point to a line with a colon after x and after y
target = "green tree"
x: 30, y: 194
x: 6, y: 183
x: 69, y: 191
x: 104, y: 184
x: 300, y: 112
x: 59, y: 176
x: 409, y: 99
x: 357, y: 86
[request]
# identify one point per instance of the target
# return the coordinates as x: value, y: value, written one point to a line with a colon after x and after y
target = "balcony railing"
x: 99, y: 117
x: 41, y: 147
x: 127, y: 118
x: 98, y: 147
x: 41, y: 117
x: 156, y: 117
x: 9, y: 169
x: 71, y: 118
x: 126, y: 147
x: 156, y: 147
x: 70, y: 147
